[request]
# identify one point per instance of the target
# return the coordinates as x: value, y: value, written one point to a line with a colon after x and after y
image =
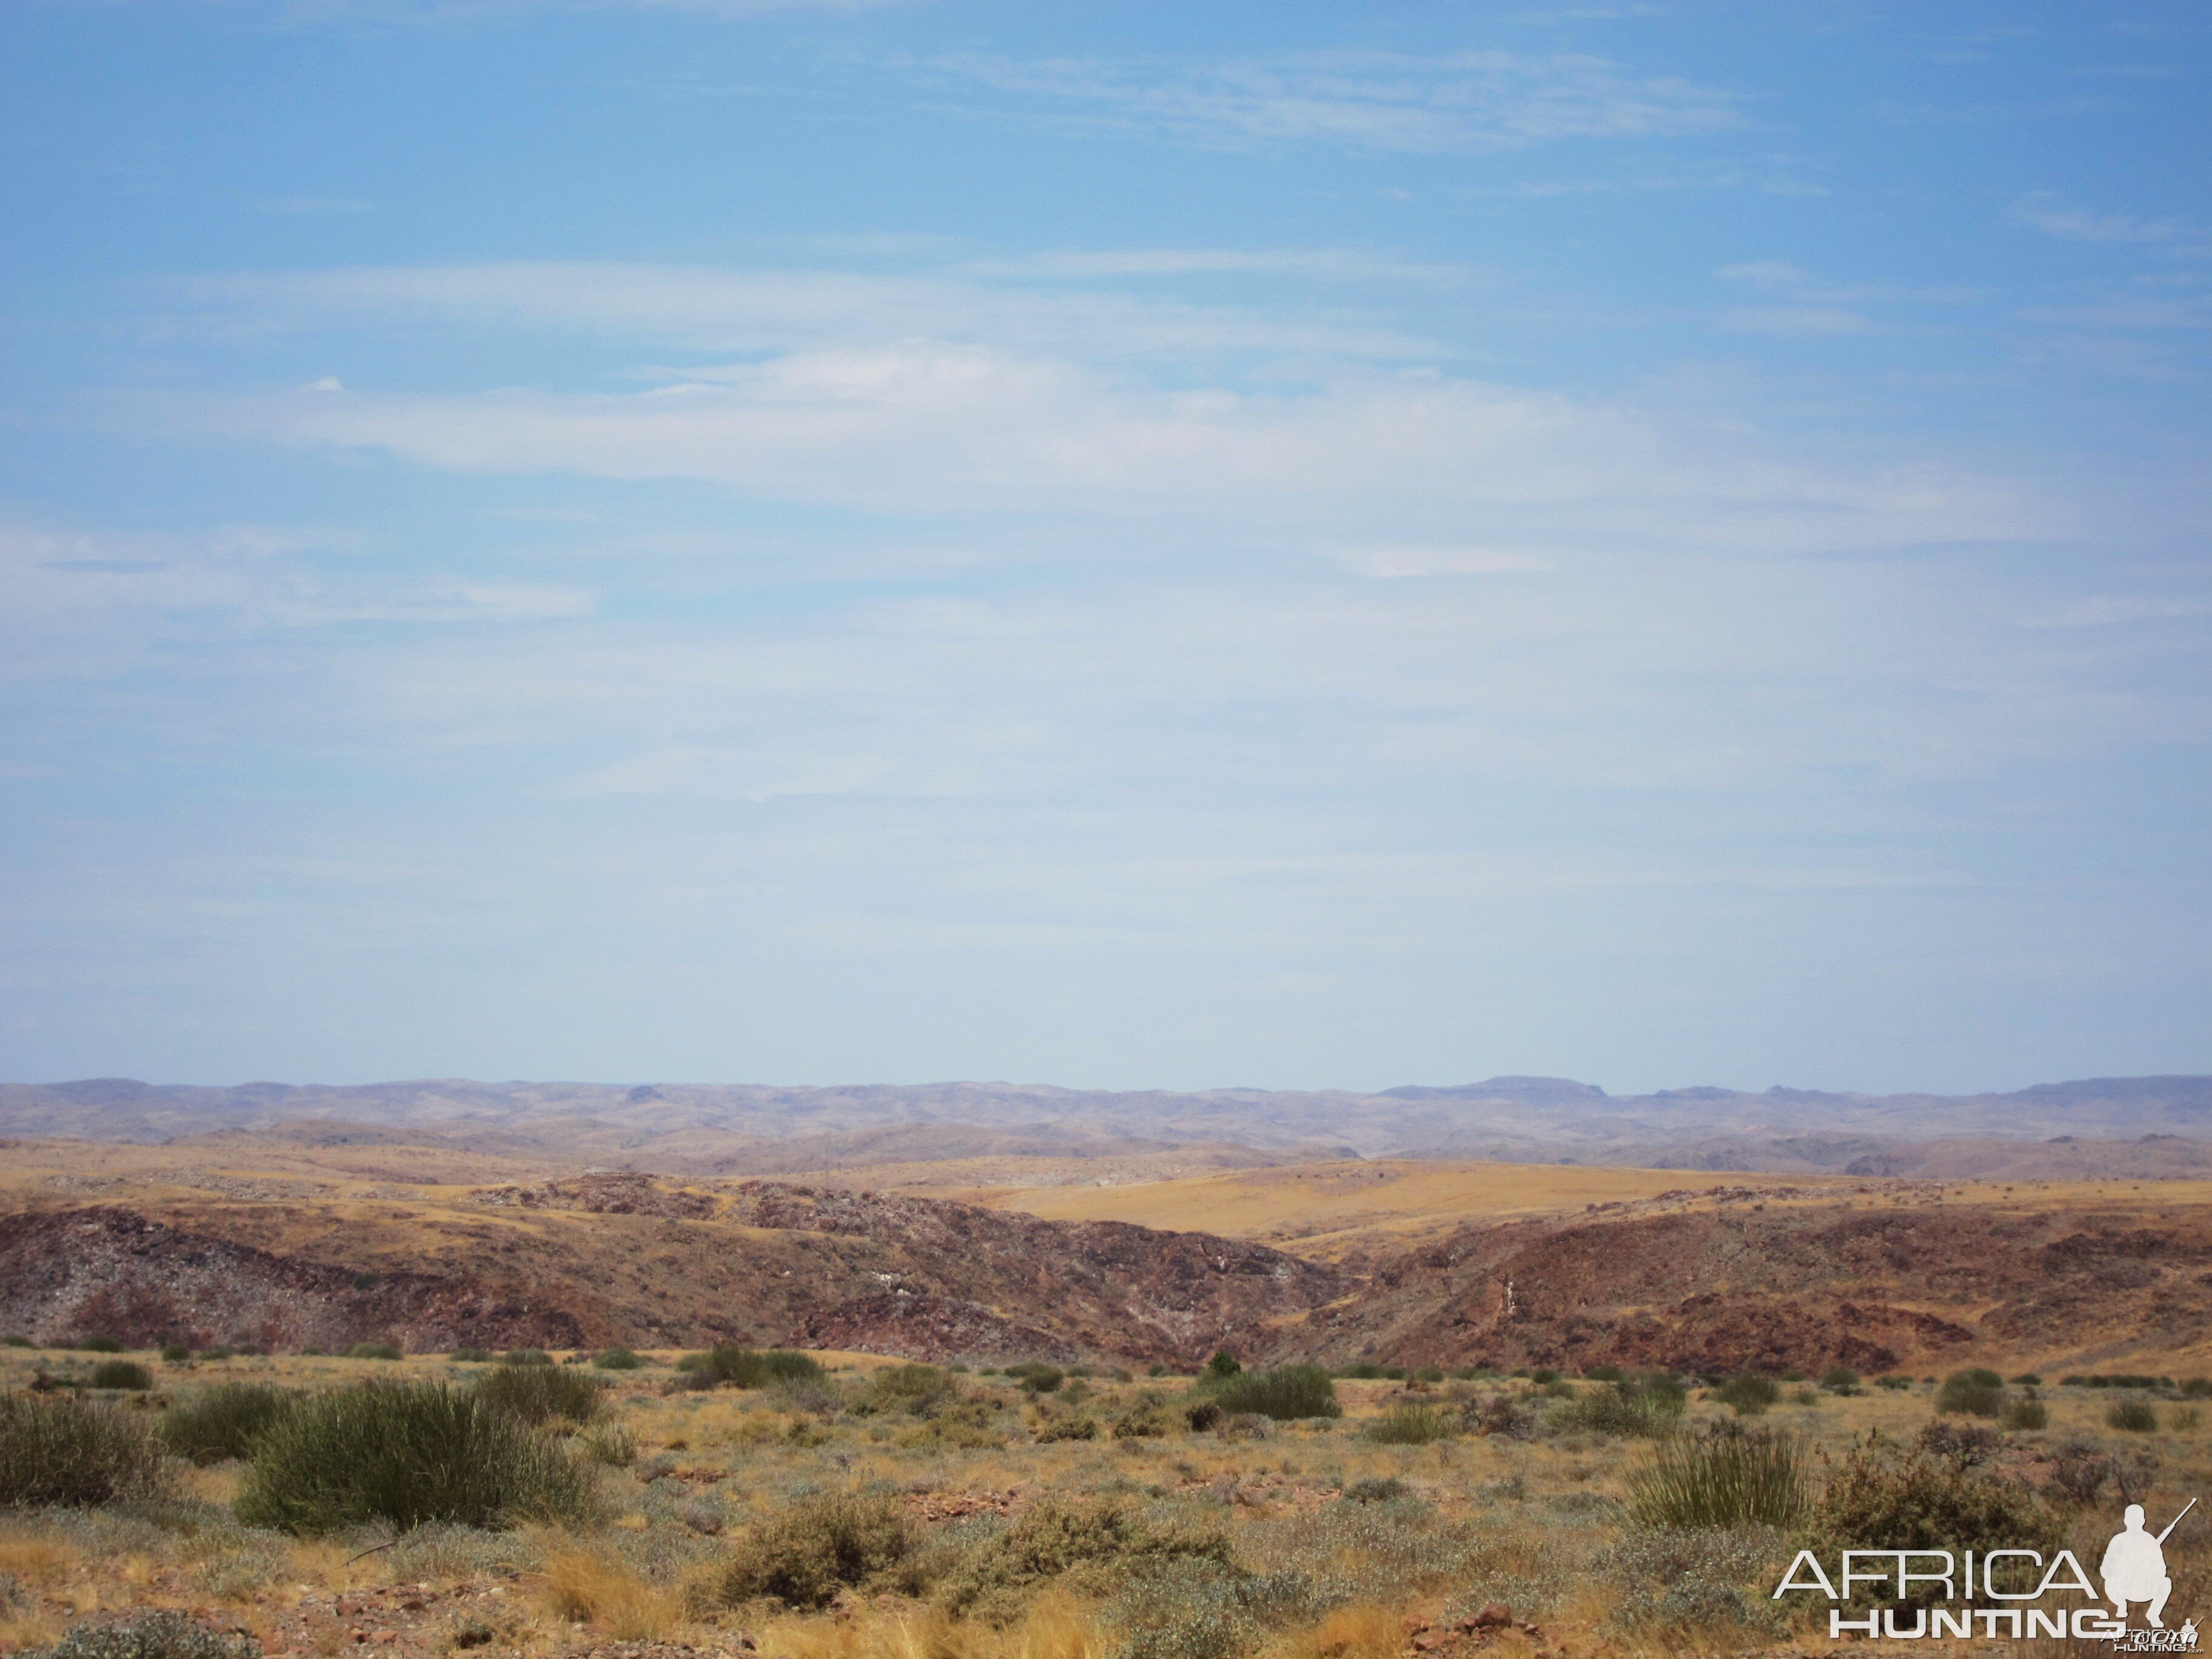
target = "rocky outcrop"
x: 113, y: 1271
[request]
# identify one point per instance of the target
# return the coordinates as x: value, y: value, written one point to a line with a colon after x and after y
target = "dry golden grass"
x: 578, y: 1585
x: 1328, y: 1210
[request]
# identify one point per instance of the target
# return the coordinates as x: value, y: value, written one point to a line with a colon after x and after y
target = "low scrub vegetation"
x: 1749, y: 1396
x: 1287, y: 1393
x: 1085, y: 1548
x: 1725, y: 1478
x: 56, y: 1450
x: 158, y: 1633
x: 1882, y: 1498
x: 1647, y: 1406
x: 540, y: 1394
x: 803, y: 1557
x: 744, y: 1368
x: 1410, y: 1425
x: 405, y: 1453
x: 223, y: 1422
x: 1975, y: 1393
x: 122, y: 1373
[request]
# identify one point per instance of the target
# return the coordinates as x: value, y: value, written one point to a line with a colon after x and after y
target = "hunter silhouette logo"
x: 1988, y: 1588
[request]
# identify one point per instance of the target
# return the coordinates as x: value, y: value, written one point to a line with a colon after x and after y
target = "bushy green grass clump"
x: 122, y: 1373
x: 1646, y: 1406
x: 58, y: 1449
x: 406, y: 1453
x: 617, y: 1359
x: 539, y: 1393
x: 746, y: 1368
x: 817, y: 1547
x: 1730, y: 1478
x: 223, y: 1422
x: 1976, y: 1393
x: 1287, y: 1393
x: 371, y: 1351
x: 1409, y: 1425
x: 2132, y: 1417
x: 1749, y: 1396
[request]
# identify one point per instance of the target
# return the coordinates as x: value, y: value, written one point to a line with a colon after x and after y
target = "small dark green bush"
x: 1089, y: 1548
x: 2132, y: 1417
x: 2023, y: 1415
x: 97, y: 1344
x: 1222, y: 1365
x: 617, y: 1359
x: 1201, y: 1415
x: 1376, y: 1491
x: 161, y: 1633
x: 743, y: 1368
x: 406, y: 1453
x: 474, y: 1356
x: 817, y: 1547
x: 367, y: 1281
x: 1842, y: 1379
x: 1041, y: 1379
x: 1067, y: 1426
x: 1606, y: 1374
x: 525, y: 1357
x: 121, y: 1374
x: 1367, y: 1370
x: 1972, y: 1394
x: 1879, y: 1498
x: 916, y: 1390
x: 1285, y: 1394
x: 2028, y: 1379
x: 1647, y: 1406
x: 538, y: 1393
x: 1748, y: 1394
x: 1892, y: 1381
x: 223, y: 1421
x: 371, y: 1351
x: 57, y: 1448
x: 175, y: 1353
x: 1733, y: 1478
x: 1543, y: 1374
x: 1409, y: 1425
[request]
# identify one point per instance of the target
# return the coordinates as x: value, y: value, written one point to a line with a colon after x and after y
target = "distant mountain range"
x: 2051, y: 1128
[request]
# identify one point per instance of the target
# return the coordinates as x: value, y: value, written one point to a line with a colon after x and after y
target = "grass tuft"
x: 56, y: 1450
x: 223, y: 1422
x: 406, y: 1453
x: 1731, y: 1479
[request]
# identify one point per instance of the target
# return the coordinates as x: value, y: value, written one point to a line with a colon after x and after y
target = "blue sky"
x: 1123, y: 545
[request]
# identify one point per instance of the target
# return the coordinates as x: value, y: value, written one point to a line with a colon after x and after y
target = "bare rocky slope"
x: 623, y: 1258
x: 1885, y: 1276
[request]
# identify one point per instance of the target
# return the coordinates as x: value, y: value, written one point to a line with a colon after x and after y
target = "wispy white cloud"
x: 2055, y: 215
x: 1464, y: 100
x: 1040, y: 304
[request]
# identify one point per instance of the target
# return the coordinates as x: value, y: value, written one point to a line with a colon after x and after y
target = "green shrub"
x: 96, y: 1345
x: 1067, y: 1426
x: 743, y: 1368
x: 1041, y: 1379
x: 2027, y: 1415
x: 175, y: 1353
x: 525, y: 1357
x: 819, y: 1546
x: 121, y: 1374
x: 1223, y: 1366
x: 1147, y: 1419
x: 1373, y: 1491
x: 473, y: 1355
x: 1088, y: 1547
x: 1892, y: 1382
x: 1202, y: 1414
x: 1727, y: 1478
x: 1842, y: 1379
x: 406, y: 1453
x: 223, y: 1422
x: 2028, y: 1380
x: 611, y: 1444
x: 1972, y: 1393
x: 1879, y: 1498
x: 1747, y: 1394
x: 1367, y: 1370
x: 57, y: 1448
x: 913, y: 1389
x: 17, y: 1340
x: 370, y: 1351
x: 2197, y: 1387
x: 1285, y: 1393
x: 161, y: 1633
x: 1408, y: 1426
x: 2132, y: 1417
x: 1647, y: 1406
x: 538, y: 1393
x: 2185, y: 1420
x: 617, y: 1359
x: 1606, y: 1374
